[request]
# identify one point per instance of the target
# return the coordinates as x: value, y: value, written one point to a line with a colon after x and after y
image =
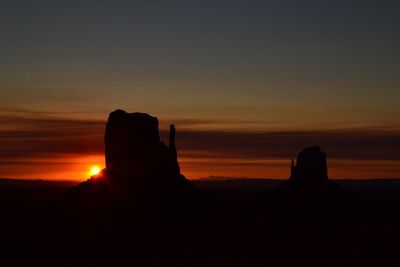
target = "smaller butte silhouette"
x: 309, y: 185
x: 311, y: 166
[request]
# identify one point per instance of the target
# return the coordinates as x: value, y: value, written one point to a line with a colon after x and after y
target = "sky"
x: 248, y: 84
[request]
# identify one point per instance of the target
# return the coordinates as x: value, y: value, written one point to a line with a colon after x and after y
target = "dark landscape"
x: 141, y: 211
x: 239, y: 224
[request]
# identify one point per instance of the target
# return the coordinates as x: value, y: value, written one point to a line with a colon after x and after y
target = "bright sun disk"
x: 95, y: 170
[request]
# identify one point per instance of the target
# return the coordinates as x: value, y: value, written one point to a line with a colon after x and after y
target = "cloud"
x: 33, y: 135
x: 344, y: 144
x: 24, y: 135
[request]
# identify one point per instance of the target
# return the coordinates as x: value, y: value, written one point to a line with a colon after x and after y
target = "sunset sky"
x: 248, y: 84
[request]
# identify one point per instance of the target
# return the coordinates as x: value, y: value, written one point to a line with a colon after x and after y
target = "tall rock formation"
x: 141, y: 184
x: 131, y: 141
x: 135, y: 155
x: 133, y: 147
x: 140, y: 168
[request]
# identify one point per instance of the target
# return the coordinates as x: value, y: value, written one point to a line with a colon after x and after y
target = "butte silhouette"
x: 135, y: 156
x: 311, y: 167
x: 308, y: 184
x: 140, y: 168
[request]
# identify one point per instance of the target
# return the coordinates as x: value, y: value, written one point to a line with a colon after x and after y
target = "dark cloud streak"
x: 340, y: 144
x: 32, y: 136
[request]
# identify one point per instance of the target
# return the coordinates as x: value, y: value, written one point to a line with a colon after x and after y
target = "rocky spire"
x: 172, y: 144
x: 292, y: 169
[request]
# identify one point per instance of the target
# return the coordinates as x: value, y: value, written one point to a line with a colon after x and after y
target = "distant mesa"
x: 309, y: 185
x: 311, y: 166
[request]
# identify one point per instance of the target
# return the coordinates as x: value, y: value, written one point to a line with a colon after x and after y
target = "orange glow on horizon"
x: 80, y: 168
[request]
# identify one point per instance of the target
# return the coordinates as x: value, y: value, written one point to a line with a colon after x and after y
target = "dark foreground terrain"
x: 232, y: 223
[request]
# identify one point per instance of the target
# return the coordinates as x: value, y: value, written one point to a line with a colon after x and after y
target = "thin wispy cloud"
x: 29, y: 136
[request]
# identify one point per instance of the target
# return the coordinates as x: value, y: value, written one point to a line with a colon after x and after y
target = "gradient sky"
x: 247, y: 83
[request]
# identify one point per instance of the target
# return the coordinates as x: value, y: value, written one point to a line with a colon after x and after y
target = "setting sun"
x: 94, y: 170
